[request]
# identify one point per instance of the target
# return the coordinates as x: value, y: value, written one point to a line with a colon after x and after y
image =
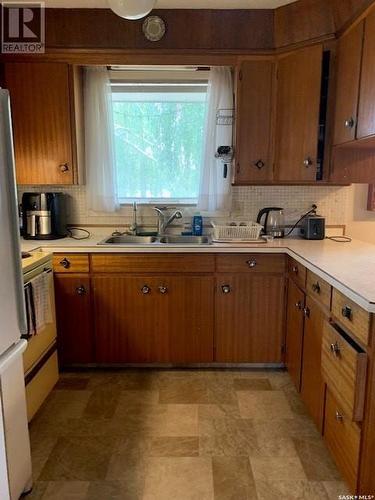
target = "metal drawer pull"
x: 163, y: 289
x: 81, y: 290
x: 306, y: 312
x: 251, y: 263
x: 347, y: 312
x: 349, y: 123
x: 307, y: 162
x: 64, y: 168
x: 295, y: 269
x: 65, y: 263
x: 225, y: 288
x: 298, y: 305
x: 316, y: 287
x: 339, y: 417
x: 335, y: 349
x: 145, y: 290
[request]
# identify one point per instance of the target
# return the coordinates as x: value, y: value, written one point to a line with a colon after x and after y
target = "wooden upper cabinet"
x: 366, y: 111
x: 299, y: 80
x: 349, y: 55
x: 41, y: 112
x: 254, y: 113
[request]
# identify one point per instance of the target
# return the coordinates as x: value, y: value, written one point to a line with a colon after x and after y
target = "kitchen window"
x: 159, y: 123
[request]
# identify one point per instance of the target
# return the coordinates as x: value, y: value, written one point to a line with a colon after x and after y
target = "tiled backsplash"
x: 247, y: 201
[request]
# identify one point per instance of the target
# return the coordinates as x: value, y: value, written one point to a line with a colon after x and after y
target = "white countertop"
x: 349, y: 267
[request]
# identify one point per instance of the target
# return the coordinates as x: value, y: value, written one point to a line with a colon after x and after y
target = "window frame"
x: 159, y: 78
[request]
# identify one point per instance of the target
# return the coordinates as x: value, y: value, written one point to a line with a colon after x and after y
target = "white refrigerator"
x: 15, y: 460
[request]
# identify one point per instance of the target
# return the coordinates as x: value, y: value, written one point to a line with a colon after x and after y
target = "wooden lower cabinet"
x: 73, y: 316
x: 146, y: 319
x: 312, y: 385
x: 294, y: 332
x: 249, y: 318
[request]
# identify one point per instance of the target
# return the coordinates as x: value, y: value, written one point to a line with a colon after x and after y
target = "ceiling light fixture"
x: 132, y: 9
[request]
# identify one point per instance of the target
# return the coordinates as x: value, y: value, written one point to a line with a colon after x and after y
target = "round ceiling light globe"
x: 132, y: 9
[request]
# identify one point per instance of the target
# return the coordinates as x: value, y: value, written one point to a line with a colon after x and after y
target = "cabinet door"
x: 294, y: 332
x: 131, y: 319
x: 73, y: 314
x: 41, y: 116
x: 297, y: 122
x: 312, y: 385
x: 349, y: 55
x: 366, y: 111
x: 249, y: 318
x: 254, y: 149
x: 191, y: 318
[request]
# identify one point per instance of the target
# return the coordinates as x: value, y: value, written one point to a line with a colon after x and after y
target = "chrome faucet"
x: 133, y: 228
x: 164, y: 220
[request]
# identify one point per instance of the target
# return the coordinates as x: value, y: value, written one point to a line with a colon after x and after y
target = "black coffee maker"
x: 43, y: 216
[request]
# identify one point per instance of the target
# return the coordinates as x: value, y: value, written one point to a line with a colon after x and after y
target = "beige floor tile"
x: 101, y: 404
x: 129, y: 397
x: 183, y: 392
x: 233, y: 478
x: 179, y: 478
x: 316, y: 460
x: 274, y: 447
x: 267, y: 405
x: 41, y: 448
x: 182, y: 446
x: 66, y: 490
x: 130, y: 470
x: 248, y: 384
x: 335, y: 488
x: 112, y: 490
x: 218, y: 410
x: 79, y: 458
x: 297, y: 427
x: 72, y: 384
x: 292, y: 489
x: 277, y: 469
x: 226, y: 437
x: 39, y: 488
x: 178, y: 420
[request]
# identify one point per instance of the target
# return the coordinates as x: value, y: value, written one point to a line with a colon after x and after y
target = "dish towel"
x: 38, y: 303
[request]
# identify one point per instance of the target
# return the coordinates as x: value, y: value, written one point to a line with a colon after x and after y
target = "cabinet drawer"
x: 152, y: 263
x: 71, y: 263
x: 342, y: 437
x: 254, y: 263
x: 319, y: 289
x: 344, y: 369
x: 297, y: 272
x: 351, y: 316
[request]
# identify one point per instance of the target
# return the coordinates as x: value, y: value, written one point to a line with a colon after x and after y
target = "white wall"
x: 359, y: 221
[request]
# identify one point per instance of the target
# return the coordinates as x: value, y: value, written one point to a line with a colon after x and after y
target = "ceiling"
x: 179, y: 4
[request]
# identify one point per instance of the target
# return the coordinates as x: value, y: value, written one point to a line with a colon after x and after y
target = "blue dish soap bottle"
x: 197, y: 224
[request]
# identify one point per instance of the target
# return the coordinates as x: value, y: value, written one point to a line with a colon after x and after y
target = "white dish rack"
x: 232, y: 232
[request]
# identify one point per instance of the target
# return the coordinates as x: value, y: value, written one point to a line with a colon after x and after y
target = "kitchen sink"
x: 185, y: 240
x: 129, y: 239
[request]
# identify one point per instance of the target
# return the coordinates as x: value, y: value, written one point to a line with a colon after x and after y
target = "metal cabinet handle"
x: 295, y: 269
x: 335, y: 349
x: 338, y: 416
x: 259, y: 164
x: 64, y: 167
x: 347, y: 312
x: 306, y: 312
x: 145, y: 290
x: 307, y: 162
x: 349, y: 123
x: 298, y: 305
x: 81, y: 290
x: 251, y: 263
x: 163, y: 289
x: 316, y: 287
x: 65, y: 263
x: 225, y: 288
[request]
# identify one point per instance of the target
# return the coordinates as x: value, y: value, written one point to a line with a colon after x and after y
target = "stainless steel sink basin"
x: 128, y: 239
x: 185, y: 240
